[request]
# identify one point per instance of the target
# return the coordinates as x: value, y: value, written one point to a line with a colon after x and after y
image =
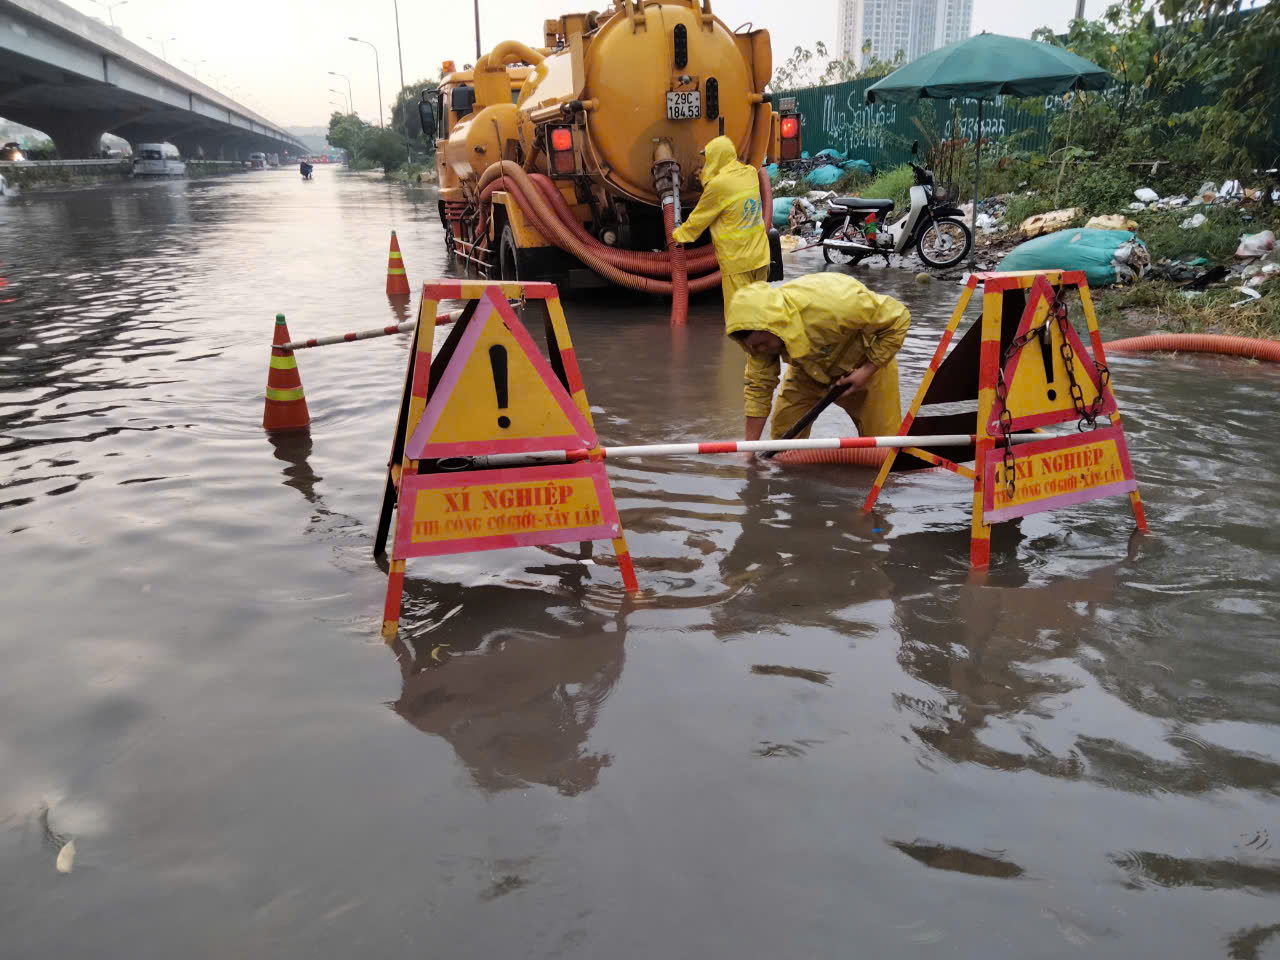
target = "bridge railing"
x: 117, y: 162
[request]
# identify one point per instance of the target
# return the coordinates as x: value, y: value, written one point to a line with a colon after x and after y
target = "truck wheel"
x: 508, y: 256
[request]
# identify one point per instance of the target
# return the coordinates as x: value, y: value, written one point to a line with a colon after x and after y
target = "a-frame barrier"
x: 490, y: 391
x: 1025, y: 366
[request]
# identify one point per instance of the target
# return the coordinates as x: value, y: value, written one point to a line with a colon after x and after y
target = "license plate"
x: 684, y: 105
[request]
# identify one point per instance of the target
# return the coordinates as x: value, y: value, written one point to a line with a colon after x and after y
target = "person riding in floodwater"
x: 730, y: 205
x: 830, y: 329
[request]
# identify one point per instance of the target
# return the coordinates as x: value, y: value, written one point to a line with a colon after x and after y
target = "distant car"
x: 11, y: 152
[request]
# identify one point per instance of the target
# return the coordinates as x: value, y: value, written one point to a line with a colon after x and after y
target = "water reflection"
x: 294, y: 448
x: 516, y: 705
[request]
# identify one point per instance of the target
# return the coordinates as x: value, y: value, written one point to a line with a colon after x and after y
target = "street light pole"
x: 476, y: 4
x: 339, y: 93
x: 377, y: 67
x: 195, y: 66
x: 110, y: 8
x: 399, y: 52
x: 163, y: 56
x: 351, y: 108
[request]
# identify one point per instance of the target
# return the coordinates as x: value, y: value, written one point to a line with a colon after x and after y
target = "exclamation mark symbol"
x: 498, y: 361
x: 1046, y: 354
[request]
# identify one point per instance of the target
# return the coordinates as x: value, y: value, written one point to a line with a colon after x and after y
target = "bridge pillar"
x: 76, y: 136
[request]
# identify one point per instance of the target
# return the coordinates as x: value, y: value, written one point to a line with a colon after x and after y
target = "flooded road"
x: 811, y: 736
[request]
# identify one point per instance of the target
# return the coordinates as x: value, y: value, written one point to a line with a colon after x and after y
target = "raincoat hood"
x: 720, y: 154
x: 759, y: 306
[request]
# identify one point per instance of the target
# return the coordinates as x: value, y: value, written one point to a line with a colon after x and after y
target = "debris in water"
x: 923, y: 278
x: 800, y: 673
x: 943, y: 857
x: 66, y: 857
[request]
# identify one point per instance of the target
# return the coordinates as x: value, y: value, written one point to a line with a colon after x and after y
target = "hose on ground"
x: 871, y: 457
x: 534, y: 205
x: 1218, y: 343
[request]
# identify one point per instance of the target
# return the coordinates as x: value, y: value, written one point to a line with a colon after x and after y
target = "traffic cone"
x: 285, y: 408
x: 397, y: 282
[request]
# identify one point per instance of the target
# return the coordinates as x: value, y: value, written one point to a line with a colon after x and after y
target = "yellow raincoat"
x: 830, y: 324
x: 731, y: 206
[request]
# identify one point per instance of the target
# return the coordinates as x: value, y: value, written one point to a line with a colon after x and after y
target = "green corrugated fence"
x: 839, y: 117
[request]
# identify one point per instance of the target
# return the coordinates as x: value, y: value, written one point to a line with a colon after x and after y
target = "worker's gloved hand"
x: 857, y: 380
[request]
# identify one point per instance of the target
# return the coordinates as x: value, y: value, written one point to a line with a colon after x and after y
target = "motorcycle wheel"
x: 839, y: 257
x: 944, y: 243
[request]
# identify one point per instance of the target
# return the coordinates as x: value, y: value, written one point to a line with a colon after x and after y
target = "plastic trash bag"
x: 1256, y: 244
x: 772, y: 170
x: 1146, y: 195
x: 1196, y: 220
x: 837, y: 155
x: 825, y: 175
x: 1105, y: 256
x: 861, y: 166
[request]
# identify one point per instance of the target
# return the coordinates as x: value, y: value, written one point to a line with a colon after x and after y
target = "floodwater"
x: 811, y: 735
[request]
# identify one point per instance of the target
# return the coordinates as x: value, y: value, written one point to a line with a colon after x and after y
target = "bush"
x: 893, y: 185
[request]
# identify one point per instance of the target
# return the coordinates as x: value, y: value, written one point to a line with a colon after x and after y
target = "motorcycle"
x: 854, y: 226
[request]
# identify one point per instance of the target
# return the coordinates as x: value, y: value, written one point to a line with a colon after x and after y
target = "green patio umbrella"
x: 983, y: 68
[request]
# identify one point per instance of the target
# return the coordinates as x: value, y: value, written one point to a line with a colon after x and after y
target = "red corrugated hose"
x: 1218, y: 343
x: 595, y: 255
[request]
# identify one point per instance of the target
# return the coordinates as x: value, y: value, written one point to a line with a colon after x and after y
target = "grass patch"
x: 1216, y: 240
x: 1153, y: 306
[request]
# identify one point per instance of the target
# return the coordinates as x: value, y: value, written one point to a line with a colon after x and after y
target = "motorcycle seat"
x: 862, y: 203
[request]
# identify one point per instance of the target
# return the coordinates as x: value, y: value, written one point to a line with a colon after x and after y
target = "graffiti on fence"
x: 837, y: 116
x: 853, y: 124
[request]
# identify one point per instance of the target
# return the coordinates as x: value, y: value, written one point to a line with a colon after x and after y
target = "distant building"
x: 878, y: 29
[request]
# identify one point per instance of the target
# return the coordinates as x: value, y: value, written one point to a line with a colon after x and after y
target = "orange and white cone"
x: 397, y: 282
x: 286, y: 407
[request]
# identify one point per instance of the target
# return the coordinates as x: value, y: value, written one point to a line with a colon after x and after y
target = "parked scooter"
x: 854, y: 226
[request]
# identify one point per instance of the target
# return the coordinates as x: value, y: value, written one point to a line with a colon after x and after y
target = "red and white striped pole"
x: 734, y: 446
x: 367, y: 334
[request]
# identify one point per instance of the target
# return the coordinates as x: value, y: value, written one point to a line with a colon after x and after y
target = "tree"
x: 351, y: 134
x: 385, y: 148
x: 1231, y: 54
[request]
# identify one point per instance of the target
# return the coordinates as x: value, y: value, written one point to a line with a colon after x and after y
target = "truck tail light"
x: 560, y: 147
x: 790, y: 133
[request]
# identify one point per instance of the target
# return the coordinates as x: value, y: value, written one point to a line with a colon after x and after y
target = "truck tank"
x: 561, y: 157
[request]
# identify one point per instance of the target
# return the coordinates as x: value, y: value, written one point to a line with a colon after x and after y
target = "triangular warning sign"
x: 497, y: 394
x: 1039, y: 387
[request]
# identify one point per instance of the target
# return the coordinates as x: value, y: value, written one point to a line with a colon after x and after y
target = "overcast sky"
x: 277, y: 54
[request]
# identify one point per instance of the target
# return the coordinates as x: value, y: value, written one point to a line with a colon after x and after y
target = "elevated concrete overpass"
x: 76, y: 79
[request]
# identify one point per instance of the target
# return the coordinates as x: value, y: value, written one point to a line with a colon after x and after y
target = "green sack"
x: 1105, y: 256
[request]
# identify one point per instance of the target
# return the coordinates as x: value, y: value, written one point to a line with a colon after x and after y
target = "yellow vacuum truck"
x: 571, y: 162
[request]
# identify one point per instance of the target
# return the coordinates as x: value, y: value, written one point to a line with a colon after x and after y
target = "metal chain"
x: 1088, y: 414
x: 1006, y: 417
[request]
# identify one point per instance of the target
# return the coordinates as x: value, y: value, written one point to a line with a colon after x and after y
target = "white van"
x: 158, y: 160
x: 257, y: 161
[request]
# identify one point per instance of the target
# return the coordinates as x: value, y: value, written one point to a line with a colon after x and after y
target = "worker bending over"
x: 830, y: 329
x: 730, y: 205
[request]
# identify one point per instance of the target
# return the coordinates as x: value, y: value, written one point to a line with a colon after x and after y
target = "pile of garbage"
x: 1229, y: 193
x: 822, y: 169
x: 1256, y: 264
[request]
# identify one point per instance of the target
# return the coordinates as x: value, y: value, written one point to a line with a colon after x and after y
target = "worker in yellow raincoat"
x: 730, y: 205
x: 829, y: 329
